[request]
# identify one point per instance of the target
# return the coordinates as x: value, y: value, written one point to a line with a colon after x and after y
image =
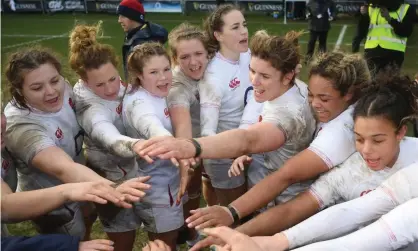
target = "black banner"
x: 102, y: 6
x: 264, y: 6
x: 23, y: 6
x: 348, y: 7
x: 64, y: 5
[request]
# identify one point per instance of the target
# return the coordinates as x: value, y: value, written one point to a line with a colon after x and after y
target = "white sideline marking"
x: 40, y: 38
x: 33, y: 41
x: 340, y: 37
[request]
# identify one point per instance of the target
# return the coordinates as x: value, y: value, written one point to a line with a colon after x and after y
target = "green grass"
x: 34, y: 25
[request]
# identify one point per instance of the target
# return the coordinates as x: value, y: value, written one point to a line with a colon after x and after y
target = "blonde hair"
x: 282, y: 52
x: 348, y: 72
x: 139, y: 57
x: 86, y: 52
x: 185, y: 31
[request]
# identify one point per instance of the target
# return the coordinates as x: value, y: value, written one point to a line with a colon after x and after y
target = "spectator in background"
x: 355, y: 46
x: 388, y: 25
x: 319, y: 14
x: 138, y: 31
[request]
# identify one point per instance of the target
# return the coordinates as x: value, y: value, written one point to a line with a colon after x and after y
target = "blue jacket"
x: 46, y: 242
x: 148, y: 32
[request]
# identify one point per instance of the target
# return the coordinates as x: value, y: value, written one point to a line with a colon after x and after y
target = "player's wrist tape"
x: 197, y: 147
x: 234, y: 213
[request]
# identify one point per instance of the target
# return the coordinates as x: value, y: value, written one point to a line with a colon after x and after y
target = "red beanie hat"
x: 132, y: 9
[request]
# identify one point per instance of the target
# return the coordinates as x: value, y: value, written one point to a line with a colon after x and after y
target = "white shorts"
x: 217, y: 170
x: 158, y: 210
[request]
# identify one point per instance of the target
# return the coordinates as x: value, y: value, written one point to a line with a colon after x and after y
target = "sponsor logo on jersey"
x: 365, y: 192
x: 72, y: 104
x: 5, y: 164
x: 260, y: 118
x: 59, y: 134
x: 166, y: 113
x: 234, y: 83
x: 119, y: 109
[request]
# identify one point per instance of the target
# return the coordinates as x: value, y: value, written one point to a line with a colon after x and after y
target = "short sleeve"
x: 179, y: 96
x: 26, y: 140
x: 210, y: 92
x: 286, y: 119
x: 339, y: 150
x: 403, y: 185
x: 143, y: 118
x: 324, y: 190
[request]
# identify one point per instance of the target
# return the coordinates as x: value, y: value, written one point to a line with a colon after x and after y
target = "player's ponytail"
x: 86, y: 52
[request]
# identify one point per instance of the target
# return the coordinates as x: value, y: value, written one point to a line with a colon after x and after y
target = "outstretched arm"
x: 26, y: 205
x: 395, y: 230
x: 340, y: 219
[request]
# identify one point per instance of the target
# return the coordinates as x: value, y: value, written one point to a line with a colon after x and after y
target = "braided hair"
x: 390, y: 96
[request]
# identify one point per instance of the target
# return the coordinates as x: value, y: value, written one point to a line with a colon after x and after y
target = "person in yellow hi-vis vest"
x: 386, y: 26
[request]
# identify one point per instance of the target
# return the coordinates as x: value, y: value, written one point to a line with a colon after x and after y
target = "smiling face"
x: 268, y: 82
x: 326, y: 101
x: 377, y: 141
x: 156, y: 76
x: 234, y: 33
x: 43, y: 88
x: 192, y: 57
x: 104, y: 81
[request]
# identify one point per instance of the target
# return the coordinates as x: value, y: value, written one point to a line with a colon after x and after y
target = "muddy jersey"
x: 31, y: 131
x: 353, y: 178
x: 292, y: 114
x: 8, y: 170
x: 108, y: 150
x: 185, y: 93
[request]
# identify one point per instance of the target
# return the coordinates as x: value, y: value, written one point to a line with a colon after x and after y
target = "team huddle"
x: 322, y: 165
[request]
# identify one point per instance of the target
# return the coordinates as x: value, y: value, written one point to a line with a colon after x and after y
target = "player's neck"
x: 228, y: 54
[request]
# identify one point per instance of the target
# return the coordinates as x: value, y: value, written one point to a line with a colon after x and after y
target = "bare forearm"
x: 281, y: 217
x: 260, y: 195
x: 27, y: 205
x: 229, y: 144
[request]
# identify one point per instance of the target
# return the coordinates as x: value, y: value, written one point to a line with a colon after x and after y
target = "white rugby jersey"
x: 335, y: 141
x: 353, y: 178
x: 349, y: 216
x: 222, y: 92
x: 30, y: 132
x: 292, y: 114
x: 251, y: 115
x: 184, y: 93
x: 107, y: 149
x: 393, y: 231
x: 8, y: 169
x: 145, y: 115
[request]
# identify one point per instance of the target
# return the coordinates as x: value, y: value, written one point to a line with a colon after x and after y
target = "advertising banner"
x: 23, y: 6
x: 108, y: 6
x: 161, y: 6
x: 264, y: 6
x: 64, y: 5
